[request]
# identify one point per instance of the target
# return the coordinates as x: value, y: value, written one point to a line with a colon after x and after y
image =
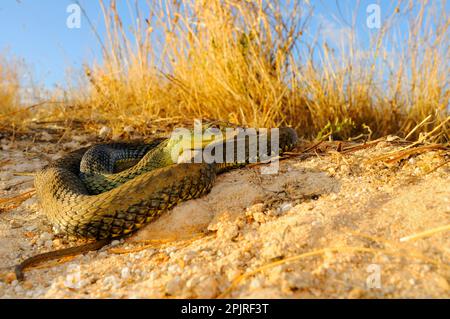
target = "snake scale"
x: 111, y: 190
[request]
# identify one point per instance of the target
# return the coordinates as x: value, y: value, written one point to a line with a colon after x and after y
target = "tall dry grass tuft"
x: 254, y: 63
x: 10, y: 93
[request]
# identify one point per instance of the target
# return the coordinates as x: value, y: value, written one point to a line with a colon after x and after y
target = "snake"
x: 111, y: 190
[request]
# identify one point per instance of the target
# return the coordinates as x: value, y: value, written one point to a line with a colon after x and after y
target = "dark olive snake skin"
x: 94, y: 193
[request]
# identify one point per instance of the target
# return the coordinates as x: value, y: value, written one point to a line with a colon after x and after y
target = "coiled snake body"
x: 94, y: 193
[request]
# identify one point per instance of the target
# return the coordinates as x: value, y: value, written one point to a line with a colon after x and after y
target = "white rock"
x: 125, y: 273
x: 31, y: 228
x: 174, y: 286
x: 45, y: 236
x: 48, y: 244
x: 104, y: 131
x: 285, y: 207
x: 115, y: 243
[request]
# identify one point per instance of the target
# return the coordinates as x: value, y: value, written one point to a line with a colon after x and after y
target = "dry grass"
x: 251, y: 63
x: 10, y: 96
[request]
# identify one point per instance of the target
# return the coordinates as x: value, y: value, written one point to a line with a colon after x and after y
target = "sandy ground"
x: 323, y: 227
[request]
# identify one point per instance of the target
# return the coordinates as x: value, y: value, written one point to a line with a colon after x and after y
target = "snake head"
x: 184, y: 144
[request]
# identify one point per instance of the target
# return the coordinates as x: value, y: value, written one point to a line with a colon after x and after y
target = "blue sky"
x: 36, y: 31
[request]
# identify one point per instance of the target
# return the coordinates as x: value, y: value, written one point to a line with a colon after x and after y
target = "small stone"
x: 115, y: 243
x: 104, y: 131
x: 31, y: 228
x: 48, y: 244
x: 285, y: 207
x: 174, y: 286
x: 27, y: 285
x: 10, y: 277
x: 125, y: 273
x: 45, y: 236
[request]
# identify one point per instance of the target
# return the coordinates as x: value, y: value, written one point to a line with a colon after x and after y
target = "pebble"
x: 10, y: 278
x: 174, y: 286
x: 115, y: 243
x: 31, y: 228
x: 48, y: 244
x: 104, y: 131
x: 285, y: 207
x: 46, y: 236
x: 27, y: 285
x: 125, y: 273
